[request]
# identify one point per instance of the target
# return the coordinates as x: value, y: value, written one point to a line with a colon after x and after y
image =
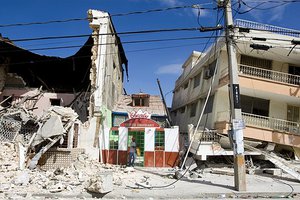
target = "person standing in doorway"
x: 132, y: 151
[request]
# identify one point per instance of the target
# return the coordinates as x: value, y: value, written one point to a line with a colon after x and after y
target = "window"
x: 114, y: 140
x: 293, y: 113
x: 255, y: 106
x: 182, y: 109
x: 193, y: 109
x: 209, y: 105
x: 159, y: 140
x: 256, y: 62
x: 55, y: 102
x: 175, y: 113
x: 186, y: 85
x: 212, y: 67
x: 161, y: 120
x: 118, y: 119
x: 140, y: 100
x: 294, y: 71
x: 197, y: 80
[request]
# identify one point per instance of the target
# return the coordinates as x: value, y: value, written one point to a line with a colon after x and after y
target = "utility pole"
x: 237, y: 124
x: 165, y: 105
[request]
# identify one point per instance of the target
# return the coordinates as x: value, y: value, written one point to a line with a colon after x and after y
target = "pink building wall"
x: 42, y: 104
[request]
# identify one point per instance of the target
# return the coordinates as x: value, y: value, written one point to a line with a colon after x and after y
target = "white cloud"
x: 169, y: 69
x: 202, y: 12
x: 171, y: 2
x: 174, y: 3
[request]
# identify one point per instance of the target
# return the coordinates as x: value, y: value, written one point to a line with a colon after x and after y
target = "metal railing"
x: 264, y: 122
x: 269, y: 74
x: 259, y: 26
x: 271, y: 123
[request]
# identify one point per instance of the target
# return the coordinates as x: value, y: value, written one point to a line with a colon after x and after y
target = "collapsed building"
x: 269, y: 77
x: 38, y: 92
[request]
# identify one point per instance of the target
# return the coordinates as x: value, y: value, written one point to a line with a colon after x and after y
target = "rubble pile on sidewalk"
x: 76, y: 178
x: 24, y: 138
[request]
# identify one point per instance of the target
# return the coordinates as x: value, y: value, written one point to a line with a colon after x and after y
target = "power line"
x: 205, y: 46
x: 276, y: 1
x: 112, y: 43
x: 194, y: 6
x: 111, y: 53
x: 120, y: 33
x: 257, y: 7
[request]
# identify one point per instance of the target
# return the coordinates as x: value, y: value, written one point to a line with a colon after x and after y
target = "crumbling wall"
x: 3, y: 64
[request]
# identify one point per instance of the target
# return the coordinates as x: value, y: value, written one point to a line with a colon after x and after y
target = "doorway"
x: 140, y: 143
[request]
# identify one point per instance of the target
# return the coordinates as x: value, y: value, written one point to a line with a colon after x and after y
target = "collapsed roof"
x: 55, y: 74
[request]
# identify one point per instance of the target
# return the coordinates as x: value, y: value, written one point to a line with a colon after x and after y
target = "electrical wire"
x: 130, y: 51
x: 195, y: 6
x: 278, y: 1
x: 162, y: 186
x: 292, y: 188
x: 111, y: 43
x: 168, y: 185
x: 204, y: 106
x: 257, y: 7
x: 112, y: 15
x: 101, y: 34
x: 204, y: 48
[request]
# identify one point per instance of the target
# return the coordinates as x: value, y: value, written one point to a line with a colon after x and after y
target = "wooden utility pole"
x: 237, y: 124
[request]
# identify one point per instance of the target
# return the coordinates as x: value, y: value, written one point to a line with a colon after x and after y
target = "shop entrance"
x: 139, y: 139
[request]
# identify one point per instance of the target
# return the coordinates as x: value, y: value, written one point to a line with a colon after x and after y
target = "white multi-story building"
x: 269, y: 78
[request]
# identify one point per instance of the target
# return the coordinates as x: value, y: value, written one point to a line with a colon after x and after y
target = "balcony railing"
x: 264, y: 122
x: 267, y: 27
x: 271, y: 123
x: 269, y: 74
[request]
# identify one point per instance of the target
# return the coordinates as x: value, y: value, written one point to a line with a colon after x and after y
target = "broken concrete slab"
x: 273, y: 171
x: 22, y: 178
x: 52, y: 127
x: 228, y: 172
x: 100, y: 183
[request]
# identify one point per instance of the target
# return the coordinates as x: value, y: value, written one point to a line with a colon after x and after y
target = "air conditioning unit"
x: 207, y: 74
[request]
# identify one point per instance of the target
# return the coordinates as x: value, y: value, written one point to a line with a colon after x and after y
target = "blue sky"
x: 147, y: 61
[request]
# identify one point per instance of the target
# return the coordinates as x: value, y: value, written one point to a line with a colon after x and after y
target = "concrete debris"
x: 224, y: 171
x: 83, y: 175
x: 34, y: 135
x: 24, y: 138
x: 22, y: 178
x: 100, y: 183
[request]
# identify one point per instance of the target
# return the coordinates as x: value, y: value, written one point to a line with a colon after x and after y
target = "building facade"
x: 143, y: 117
x: 269, y: 78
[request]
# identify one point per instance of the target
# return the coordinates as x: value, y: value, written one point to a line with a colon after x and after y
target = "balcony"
x: 263, y: 128
x: 271, y: 123
x: 267, y: 27
x: 268, y: 123
x: 269, y: 74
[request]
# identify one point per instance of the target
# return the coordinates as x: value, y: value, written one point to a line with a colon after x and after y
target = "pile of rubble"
x: 25, y: 138
x: 84, y: 175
